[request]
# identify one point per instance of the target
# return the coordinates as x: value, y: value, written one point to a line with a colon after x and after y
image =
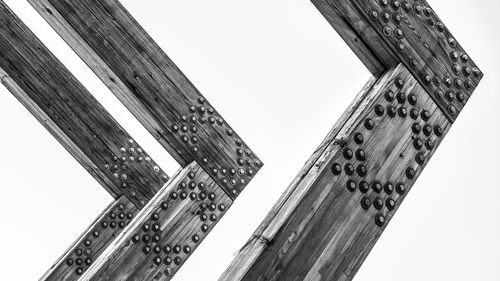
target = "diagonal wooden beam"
x: 90, y: 245
x: 393, y: 31
x: 165, y: 232
x: 75, y: 118
x: 153, y: 88
x: 331, y: 216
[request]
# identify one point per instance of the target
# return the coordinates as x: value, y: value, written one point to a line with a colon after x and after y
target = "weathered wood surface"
x: 144, y: 78
x: 89, y: 246
x: 409, y: 32
x: 322, y: 229
x: 77, y: 120
x: 165, y: 232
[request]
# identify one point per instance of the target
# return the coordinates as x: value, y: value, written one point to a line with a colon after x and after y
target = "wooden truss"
x: 155, y: 222
x: 332, y: 214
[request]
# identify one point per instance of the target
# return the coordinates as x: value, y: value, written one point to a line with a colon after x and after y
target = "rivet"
x: 391, y: 111
x: 412, y: 99
x: 399, y: 82
x: 379, y: 220
x: 196, y: 238
x: 452, y: 109
x: 413, y: 113
x: 203, y: 217
x: 452, y: 42
x: 438, y: 130
x: 458, y: 83
x: 377, y: 186
x: 454, y: 55
x: 167, y: 260
x: 157, y: 260
x: 201, y: 100
x: 384, y: 3
x: 379, y: 110
x: 349, y: 169
x: 456, y: 68
x: 420, y: 158
x: 476, y: 72
x: 413, y: 63
x: 439, y: 94
x: 400, y: 47
x: 69, y: 261
x: 79, y: 271
x: 374, y: 15
x: 427, y: 130
x: 464, y: 57
x: 402, y: 112
x: 168, y: 271
x: 112, y: 224
x: 347, y: 153
x: 390, y: 204
x: 450, y: 96
x: 366, y: 203
x: 416, y: 128
x: 204, y: 228
x: 173, y: 195
x: 460, y: 97
x: 440, y: 26
x: 401, y: 97
x: 469, y: 85
x: 378, y: 203
x: 398, y: 33
x: 79, y: 261
x: 187, y: 249
x: 429, y: 144
x: 360, y: 155
x: 389, y: 96
x: 369, y: 124
x: 222, y: 207
x: 427, y: 79
x: 146, y: 249
x: 387, y: 31
x: 177, y: 260
x: 437, y: 80
x: 351, y: 185
x: 425, y: 115
x: 386, y: 17
x: 410, y: 173
x: 358, y: 138
x: 400, y: 188
x: 361, y: 170
x: 388, y: 188
x: 177, y: 249
x: 364, y: 187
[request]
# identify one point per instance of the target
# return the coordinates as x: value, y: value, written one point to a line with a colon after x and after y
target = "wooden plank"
x: 415, y: 35
x: 361, y: 37
x: 165, y: 232
x: 152, y: 87
x: 75, y: 118
x: 89, y: 246
x: 326, y: 224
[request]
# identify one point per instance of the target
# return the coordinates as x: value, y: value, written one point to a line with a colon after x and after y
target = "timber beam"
x: 73, y: 116
x: 152, y: 87
x: 328, y: 220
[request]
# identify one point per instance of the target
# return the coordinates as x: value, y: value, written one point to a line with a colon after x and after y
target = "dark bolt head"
x: 412, y: 99
x: 400, y: 188
x: 378, y: 203
x: 410, y: 173
x: 351, y: 185
x: 360, y: 155
x: 377, y: 186
x: 364, y: 187
x: 420, y: 158
x: 417, y: 143
x: 390, y: 204
x: 349, y: 169
x: 438, y: 130
x: 402, y: 112
x: 358, y: 138
x: 379, y: 110
x: 146, y: 249
x: 427, y: 130
x: 362, y: 170
x: 399, y: 82
x: 365, y: 203
x: 401, y: 97
x: 425, y: 115
x: 336, y: 169
x: 389, y: 96
x: 429, y: 144
x: 379, y: 220
x: 347, y: 153
x: 460, y: 97
x: 391, y: 111
x: 414, y: 113
x: 416, y: 128
x: 388, y: 188
x: 369, y: 124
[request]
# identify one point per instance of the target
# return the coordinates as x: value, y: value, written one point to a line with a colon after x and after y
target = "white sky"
x: 281, y: 76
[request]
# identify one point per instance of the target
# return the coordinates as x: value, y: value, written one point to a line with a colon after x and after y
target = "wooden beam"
x: 327, y: 222
x: 166, y: 231
x: 152, y: 87
x: 75, y: 118
x: 408, y: 32
x: 89, y: 246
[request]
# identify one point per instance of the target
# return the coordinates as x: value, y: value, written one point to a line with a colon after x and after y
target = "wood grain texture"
x: 411, y: 33
x: 323, y: 227
x: 54, y: 96
x: 165, y: 232
x: 152, y: 87
x: 89, y: 246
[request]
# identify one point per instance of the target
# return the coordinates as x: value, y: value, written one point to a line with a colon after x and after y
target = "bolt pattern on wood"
x: 330, y: 217
x: 150, y: 211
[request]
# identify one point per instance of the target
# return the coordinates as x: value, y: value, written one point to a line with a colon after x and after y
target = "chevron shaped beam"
x: 152, y: 87
x: 326, y: 223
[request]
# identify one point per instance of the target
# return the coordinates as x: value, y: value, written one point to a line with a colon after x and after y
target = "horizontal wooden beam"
x: 75, y: 118
x: 165, y: 232
x: 152, y: 87
x: 89, y: 246
x: 409, y: 32
x: 327, y: 222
